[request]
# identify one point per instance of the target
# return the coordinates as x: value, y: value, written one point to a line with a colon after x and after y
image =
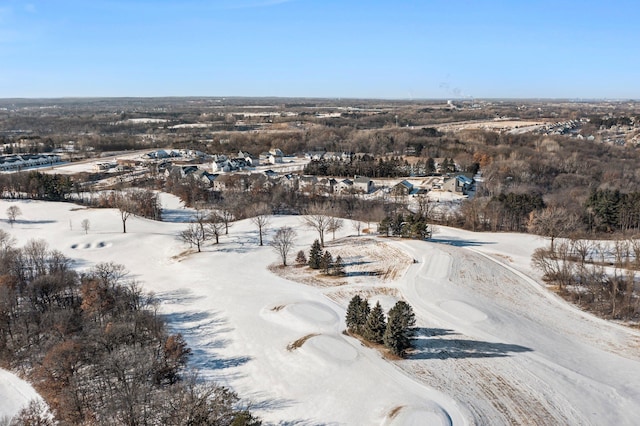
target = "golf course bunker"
x: 463, y: 311
x: 306, y: 316
x: 431, y: 415
x: 311, y: 313
x: 90, y: 246
x: 331, y: 347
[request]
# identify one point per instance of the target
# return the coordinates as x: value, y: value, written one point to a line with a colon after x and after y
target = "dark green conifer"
x: 399, y: 331
x: 326, y: 262
x: 315, y: 255
x: 375, y: 325
x: 338, y: 267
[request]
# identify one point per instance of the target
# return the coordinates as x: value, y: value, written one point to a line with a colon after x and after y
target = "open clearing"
x: 494, y: 346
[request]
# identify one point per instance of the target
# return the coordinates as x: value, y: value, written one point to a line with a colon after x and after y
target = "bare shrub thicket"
x: 601, y: 277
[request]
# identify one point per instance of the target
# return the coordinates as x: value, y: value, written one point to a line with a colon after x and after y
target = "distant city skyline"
x: 432, y: 49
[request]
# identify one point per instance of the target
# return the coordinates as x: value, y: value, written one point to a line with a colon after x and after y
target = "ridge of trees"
x: 95, y: 348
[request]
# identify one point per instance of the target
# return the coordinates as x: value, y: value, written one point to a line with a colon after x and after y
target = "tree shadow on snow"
x: 364, y: 274
x: 432, y: 332
x: 270, y: 404
x: 304, y: 423
x: 357, y: 263
x: 178, y: 296
x: 459, y: 243
x: 206, y: 334
x: 33, y: 222
x: 428, y: 345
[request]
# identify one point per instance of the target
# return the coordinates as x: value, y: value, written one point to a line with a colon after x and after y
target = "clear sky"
x: 321, y: 48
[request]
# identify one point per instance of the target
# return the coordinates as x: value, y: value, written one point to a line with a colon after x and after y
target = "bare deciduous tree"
x: 198, y: 231
x: 318, y: 220
x: 227, y: 217
x: 283, y: 242
x: 261, y: 221
x: 552, y: 222
x: 85, y: 225
x: 335, y: 224
x: 124, y: 205
x: 12, y: 213
x: 357, y: 225
x: 6, y: 240
x: 194, y: 235
x: 215, y: 225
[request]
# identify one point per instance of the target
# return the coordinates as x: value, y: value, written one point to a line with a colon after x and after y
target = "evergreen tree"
x: 384, y: 227
x: 375, y: 326
x: 399, y: 332
x: 326, y: 262
x: 301, y: 258
x: 365, y: 310
x: 354, y: 317
x: 397, y: 225
x: 315, y: 255
x: 338, y: 267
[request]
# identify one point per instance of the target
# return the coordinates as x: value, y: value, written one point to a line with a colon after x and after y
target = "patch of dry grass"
x: 394, y: 412
x: 366, y: 260
x: 298, y: 343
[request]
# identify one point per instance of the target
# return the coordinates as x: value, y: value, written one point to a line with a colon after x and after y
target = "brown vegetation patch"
x: 298, y: 343
x: 182, y: 255
x: 504, y: 256
x: 342, y: 296
x: 365, y: 259
x: 394, y: 412
x: 384, y: 351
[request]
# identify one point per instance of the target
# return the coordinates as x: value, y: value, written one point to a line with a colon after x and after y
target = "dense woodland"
x: 95, y: 348
x: 522, y: 173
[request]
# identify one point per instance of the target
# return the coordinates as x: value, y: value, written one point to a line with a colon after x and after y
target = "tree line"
x: 36, y: 185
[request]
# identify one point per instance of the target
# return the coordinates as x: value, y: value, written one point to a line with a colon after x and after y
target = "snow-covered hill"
x: 494, y: 347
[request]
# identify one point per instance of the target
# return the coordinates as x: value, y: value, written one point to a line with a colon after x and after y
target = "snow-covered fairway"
x: 494, y: 346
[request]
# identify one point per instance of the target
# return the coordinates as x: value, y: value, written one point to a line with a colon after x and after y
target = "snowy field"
x: 494, y: 346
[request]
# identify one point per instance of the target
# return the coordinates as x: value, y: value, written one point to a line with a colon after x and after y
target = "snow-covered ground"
x: 15, y: 394
x: 494, y: 346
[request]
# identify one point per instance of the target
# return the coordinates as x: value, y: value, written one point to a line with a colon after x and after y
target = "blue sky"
x: 310, y: 48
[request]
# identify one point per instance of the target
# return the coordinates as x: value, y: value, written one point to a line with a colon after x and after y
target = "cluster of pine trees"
x: 322, y: 260
x: 36, y: 185
x: 396, y: 331
x: 412, y: 225
x: 611, y: 210
x: 365, y: 165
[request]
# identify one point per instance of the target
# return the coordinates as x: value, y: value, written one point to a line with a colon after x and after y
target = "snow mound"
x: 418, y: 416
x: 303, y: 316
x: 89, y: 246
x: 331, y: 347
x: 463, y: 311
x: 312, y: 313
